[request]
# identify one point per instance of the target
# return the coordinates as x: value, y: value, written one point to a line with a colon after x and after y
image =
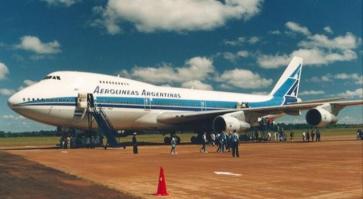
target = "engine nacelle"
x: 320, y: 117
x: 229, y: 124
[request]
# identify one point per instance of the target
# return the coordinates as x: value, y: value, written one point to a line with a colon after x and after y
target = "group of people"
x: 312, y: 135
x: 88, y: 141
x: 224, y: 141
x: 230, y: 141
x: 281, y: 136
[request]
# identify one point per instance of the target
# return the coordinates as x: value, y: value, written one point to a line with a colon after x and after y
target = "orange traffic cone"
x: 162, y: 184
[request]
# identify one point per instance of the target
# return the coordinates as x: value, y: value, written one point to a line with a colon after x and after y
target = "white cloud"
x: 348, y: 41
x: 242, y: 40
x: 232, y: 57
x: 358, y: 93
x: 351, y: 77
x: 312, y: 92
x: 235, y: 42
x: 28, y: 82
x: 65, y: 3
x: 196, y: 68
x: 295, y: 27
x: 241, y: 78
x: 355, y: 77
x: 275, y: 32
x: 34, y: 44
x: 243, y: 53
x: 12, y: 117
x: 324, y: 78
x: 315, y: 49
x: 196, y: 84
x: 195, y: 73
x: 352, y: 118
x: 3, y: 71
x: 174, y: 15
x: 6, y: 92
x: 328, y: 29
x: 253, y: 40
x: 273, y: 61
x: 318, y: 57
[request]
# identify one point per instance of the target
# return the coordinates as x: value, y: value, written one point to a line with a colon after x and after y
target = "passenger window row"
x: 48, y: 100
x: 114, y: 83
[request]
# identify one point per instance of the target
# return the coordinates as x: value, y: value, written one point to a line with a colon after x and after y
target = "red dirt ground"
x: 20, y: 178
x: 329, y: 169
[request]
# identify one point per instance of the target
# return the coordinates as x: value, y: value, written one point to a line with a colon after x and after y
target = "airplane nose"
x: 13, y: 100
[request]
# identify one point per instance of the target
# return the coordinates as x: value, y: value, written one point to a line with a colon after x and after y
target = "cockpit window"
x: 52, y: 77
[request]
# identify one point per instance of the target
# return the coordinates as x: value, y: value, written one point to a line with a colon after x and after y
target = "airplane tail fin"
x: 288, y: 84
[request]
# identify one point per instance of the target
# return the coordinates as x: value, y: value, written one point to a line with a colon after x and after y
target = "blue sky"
x: 239, y: 46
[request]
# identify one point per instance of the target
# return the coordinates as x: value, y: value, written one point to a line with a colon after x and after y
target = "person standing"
x: 218, y: 139
x: 291, y: 136
x: 213, y: 139
x: 134, y: 144
x: 317, y: 132
x: 358, y: 134
x: 204, y: 143
x: 234, y: 144
x: 228, y: 142
x: 88, y: 141
x: 223, y: 141
x: 308, y: 136
x: 66, y: 142
x: 256, y: 135
x: 304, y: 136
x: 173, y: 146
x: 312, y: 135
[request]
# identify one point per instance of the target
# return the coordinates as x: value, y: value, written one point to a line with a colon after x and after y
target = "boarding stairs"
x: 102, y: 121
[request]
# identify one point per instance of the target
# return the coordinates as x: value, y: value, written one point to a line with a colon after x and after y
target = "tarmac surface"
x: 328, y: 169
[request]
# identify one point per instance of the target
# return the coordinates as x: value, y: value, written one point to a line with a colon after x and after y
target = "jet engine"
x: 320, y: 117
x: 229, y: 123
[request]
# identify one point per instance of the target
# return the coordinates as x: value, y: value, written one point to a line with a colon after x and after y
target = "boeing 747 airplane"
x: 77, y: 99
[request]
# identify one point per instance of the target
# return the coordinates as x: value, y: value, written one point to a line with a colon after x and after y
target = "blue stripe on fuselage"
x: 155, y: 103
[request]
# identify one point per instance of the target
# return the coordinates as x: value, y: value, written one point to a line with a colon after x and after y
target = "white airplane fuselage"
x: 128, y: 104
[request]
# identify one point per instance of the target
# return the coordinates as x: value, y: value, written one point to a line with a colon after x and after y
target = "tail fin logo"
x: 288, y: 84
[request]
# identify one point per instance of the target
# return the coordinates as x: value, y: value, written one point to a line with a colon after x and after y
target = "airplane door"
x: 82, y: 101
x: 202, y: 106
x: 147, y: 103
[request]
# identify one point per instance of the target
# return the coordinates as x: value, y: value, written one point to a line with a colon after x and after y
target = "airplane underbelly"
x: 120, y: 118
x: 134, y: 118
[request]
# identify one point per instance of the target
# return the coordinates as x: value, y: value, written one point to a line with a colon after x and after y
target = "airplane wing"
x: 184, y: 117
